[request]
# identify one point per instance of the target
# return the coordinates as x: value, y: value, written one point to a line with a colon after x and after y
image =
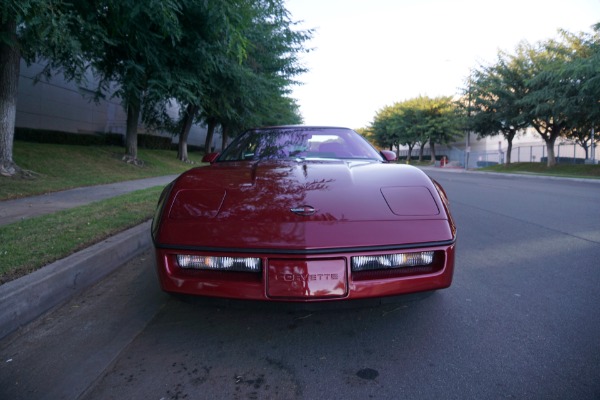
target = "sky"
x: 368, y: 54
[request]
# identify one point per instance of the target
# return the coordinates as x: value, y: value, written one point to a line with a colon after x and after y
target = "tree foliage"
x: 132, y: 51
x: 245, y: 56
x: 576, y: 83
x: 492, y: 101
x: 30, y: 29
x: 254, y: 91
x: 552, y: 86
x: 538, y: 63
x: 419, y: 120
x: 231, y: 62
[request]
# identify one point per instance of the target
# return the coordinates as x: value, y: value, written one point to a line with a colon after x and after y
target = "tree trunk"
x: 549, y: 132
x: 133, y: 116
x: 409, y: 157
x: 432, y: 148
x: 550, y: 139
x: 210, y: 131
x: 421, y: 153
x: 550, y: 149
x: 509, y: 138
x: 10, y: 59
x: 188, y: 120
x: 508, y: 152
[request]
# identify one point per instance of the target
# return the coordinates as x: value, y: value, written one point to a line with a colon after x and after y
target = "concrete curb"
x: 535, y: 176
x: 27, y: 298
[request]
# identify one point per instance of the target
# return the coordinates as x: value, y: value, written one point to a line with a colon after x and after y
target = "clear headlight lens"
x: 388, y: 261
x: 244, y: 264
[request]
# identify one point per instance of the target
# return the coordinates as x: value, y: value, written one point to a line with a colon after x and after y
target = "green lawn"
x: 57, y: 167
x: 28, y: 245
x: 564, y: 170
x: 32, y: 243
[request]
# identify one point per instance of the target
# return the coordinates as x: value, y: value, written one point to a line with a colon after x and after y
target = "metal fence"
x: 565, y: 153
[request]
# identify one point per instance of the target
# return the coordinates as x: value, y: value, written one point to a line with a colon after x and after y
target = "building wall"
x: 527, y: 147
x: 65, y: 106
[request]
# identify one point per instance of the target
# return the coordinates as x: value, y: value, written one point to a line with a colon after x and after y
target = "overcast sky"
x: 372, y: 53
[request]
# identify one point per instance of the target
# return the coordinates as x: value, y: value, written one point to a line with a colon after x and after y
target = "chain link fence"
x: 565, y: 153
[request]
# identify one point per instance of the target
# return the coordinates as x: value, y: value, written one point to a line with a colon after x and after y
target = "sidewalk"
x: 25, y: 299
x: 18, y: 209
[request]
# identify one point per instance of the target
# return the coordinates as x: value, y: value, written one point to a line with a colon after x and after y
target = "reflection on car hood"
x: 305, y: 204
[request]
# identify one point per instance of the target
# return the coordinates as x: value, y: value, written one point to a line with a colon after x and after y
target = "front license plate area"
x: 304, y: 279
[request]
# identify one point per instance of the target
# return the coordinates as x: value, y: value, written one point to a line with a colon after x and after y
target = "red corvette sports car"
x: 303, y: 214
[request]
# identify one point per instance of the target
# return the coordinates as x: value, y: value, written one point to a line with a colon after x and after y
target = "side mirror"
x: 210, y: 157
x: 389, y: 155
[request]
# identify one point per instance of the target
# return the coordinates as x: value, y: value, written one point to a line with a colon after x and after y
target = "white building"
x: 527, y: 147
x: 61, y: 105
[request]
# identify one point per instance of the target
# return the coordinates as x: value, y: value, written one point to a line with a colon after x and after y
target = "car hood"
x: 304, y: 204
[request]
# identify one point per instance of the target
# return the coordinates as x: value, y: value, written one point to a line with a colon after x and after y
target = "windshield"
x: 299, y: 143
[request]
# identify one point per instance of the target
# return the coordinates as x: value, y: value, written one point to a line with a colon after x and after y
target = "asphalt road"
x: 521, y: 321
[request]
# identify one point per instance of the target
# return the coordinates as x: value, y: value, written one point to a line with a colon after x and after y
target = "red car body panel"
x: 305, y: 220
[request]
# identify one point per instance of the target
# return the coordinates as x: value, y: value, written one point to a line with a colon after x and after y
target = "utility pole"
x: 468, y: 135
x: 593, y: 148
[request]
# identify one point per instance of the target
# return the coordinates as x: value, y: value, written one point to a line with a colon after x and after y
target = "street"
x: 521, y: 321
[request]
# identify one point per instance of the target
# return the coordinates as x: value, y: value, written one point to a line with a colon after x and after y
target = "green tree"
x: 419, y: 120
x: 255, y: 91
x: 133, y: 53
x: 30, y: 29
x: 411, y: 123
x: 212, y: 37
x: 492, y: 101
x: 248, y: 86
x: 578, y: 79
x: 552, y: 86
x: 548, y: 102
x: 443, y: 122
x: 384, y: 134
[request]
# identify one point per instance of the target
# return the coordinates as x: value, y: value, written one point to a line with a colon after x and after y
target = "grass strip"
x: 560, y: 170
x: 30, y: 244
x: 59, y: 167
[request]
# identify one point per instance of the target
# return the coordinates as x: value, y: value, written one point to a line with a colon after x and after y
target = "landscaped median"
x: 587, y: 171
x: 30, y: 244
x: 56, y: 167
x: 26, y: 299
x: 582, y: 171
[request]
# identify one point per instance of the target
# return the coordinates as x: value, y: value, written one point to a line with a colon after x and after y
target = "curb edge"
x: 27, y: 298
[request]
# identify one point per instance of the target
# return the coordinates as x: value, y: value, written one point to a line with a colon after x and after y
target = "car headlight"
x: 391, y: 261
x: 242, y: 264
